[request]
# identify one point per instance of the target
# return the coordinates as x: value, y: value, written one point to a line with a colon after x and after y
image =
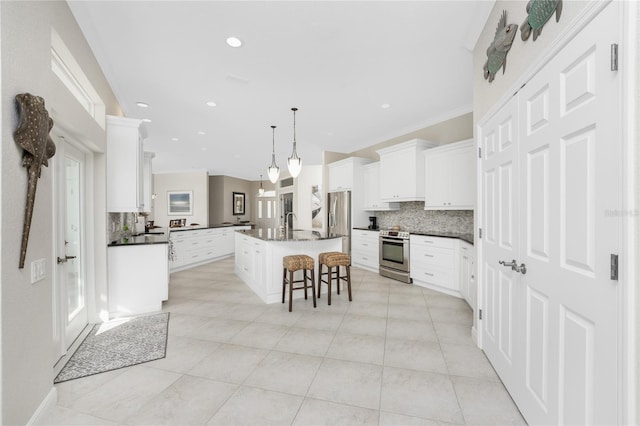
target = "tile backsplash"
x: 413, y: 218
x: 117, y: 221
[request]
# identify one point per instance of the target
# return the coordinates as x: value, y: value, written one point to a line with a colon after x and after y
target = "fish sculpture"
x: 539, y: 12
x: 32, y: 135
x: 497, y: 51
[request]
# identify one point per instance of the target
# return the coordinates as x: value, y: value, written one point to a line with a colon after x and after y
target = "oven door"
x: 394, y: 253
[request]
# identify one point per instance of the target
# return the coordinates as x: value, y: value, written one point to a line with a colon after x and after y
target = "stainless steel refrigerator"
x: 339, y: 217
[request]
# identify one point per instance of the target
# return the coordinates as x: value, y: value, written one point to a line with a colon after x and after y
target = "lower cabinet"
x: 364, y: 249
x: 467, y: 256
x: 433, y: 263
x: 197, y: 246
x: 138, y: 278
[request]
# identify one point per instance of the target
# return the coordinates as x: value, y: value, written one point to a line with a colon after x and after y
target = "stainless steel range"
x: 394, y: 255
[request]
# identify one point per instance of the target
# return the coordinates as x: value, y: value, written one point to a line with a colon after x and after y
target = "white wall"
x: 26, y: 361
x: 198, y: 182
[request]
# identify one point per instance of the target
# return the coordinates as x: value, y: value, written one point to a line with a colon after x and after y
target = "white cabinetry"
x: 138, y: 278
x: 371, y: 178
x: 402, y: 171
x: 364, y: 249
x: 434, y: 264
x: 467, y: 255
x: 124, y: 164
x: 147, y: 181
x: 198, y: 246
x: 346, y: 175
x: 450, y: 182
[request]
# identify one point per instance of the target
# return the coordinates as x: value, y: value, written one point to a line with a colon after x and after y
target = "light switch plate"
x: 38, y: 269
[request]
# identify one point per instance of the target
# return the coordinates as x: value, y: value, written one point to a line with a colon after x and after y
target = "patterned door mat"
x: 117, y: 344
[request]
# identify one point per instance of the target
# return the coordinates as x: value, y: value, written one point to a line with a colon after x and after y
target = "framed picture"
x: 238, y: 203
x: 180, y: 203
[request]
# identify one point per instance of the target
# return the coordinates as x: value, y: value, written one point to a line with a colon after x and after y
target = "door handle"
x: 64, y: 259
x: 514, y: 266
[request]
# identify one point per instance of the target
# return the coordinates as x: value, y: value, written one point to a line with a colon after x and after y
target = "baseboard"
x: 474, y: 335
x: 45, y: 406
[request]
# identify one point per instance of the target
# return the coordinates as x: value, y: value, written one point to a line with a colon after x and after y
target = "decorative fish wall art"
x: 32, y: 135
x: 539, y: 12
x: 498, y: 49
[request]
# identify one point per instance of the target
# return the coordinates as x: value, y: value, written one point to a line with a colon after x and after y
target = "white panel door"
x: 552, y: 333
x: 570, y: 158
x: 500, y: 222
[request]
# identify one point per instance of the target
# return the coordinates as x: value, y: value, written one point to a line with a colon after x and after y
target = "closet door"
x: 501, y: 293
x: 570, y: 158
x: 548, y: 191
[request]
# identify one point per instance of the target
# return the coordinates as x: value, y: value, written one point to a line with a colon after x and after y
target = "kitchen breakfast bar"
x: 259, y: 254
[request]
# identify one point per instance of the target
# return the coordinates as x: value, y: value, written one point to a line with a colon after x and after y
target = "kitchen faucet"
x: 286, y: 220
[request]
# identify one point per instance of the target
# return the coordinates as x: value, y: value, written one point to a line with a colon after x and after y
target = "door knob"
x: 64, y: 259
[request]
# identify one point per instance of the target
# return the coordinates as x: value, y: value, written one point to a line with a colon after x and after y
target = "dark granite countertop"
x: 219, y: 225
x: 140, y: 239
x: 464, y: 237
x: 274, y: 234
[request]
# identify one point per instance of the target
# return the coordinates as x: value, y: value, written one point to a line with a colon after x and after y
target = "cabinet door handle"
x: 427, y: 273
x: 429, y: 255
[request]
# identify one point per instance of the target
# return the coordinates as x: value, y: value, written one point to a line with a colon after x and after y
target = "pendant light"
x: 261, y: 189
x: 273, y: 171
x: 294, y: 162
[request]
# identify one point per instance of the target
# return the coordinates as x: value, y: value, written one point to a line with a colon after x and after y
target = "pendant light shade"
x: 273, y: 171
x: 294, y: 162
x: 261, y: 189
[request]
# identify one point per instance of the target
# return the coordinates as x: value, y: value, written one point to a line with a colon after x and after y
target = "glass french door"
x: 70, y: 299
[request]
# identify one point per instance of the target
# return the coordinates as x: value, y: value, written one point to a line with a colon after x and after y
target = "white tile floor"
x: 397, y: 355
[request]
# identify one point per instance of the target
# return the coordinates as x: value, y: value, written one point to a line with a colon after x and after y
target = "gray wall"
x: 221, y: 190
x: 26, y: 364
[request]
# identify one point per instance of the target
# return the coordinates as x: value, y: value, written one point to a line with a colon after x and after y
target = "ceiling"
x: 338, y: 62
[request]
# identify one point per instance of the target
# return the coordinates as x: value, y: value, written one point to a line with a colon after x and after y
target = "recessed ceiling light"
x: 385, y: 106
x: 211, y: 103
x: 201, y: 132
x: 142, y: 104
x: 175, y: 139
x: 146, y: 120
x: 330, y: 134
x: 203, y: 149
x: 234, y: 42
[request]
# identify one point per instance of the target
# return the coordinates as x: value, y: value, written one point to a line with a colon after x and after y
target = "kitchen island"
x: 259, y: 254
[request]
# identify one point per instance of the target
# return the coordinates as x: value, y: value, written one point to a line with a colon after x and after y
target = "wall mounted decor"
x: 498, y: 49
x: 539, y: 12
x: 238, y: 203
x: 316, y: 206
x: 32, y: 135
x: 180, y: 203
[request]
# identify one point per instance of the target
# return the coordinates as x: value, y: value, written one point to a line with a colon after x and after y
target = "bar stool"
x: 295, y: 263
x: 332, y: 260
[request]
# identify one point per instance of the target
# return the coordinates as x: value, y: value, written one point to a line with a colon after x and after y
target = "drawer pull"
x: 429, y: 255
x: 427, y: 273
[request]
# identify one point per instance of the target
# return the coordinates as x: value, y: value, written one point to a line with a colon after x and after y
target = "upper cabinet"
x: 124, y: 165
x: 371, y: 177
x: 450, y: 179
x: 147, y: 181
x: 402, y: 171
x: 344, y: 175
